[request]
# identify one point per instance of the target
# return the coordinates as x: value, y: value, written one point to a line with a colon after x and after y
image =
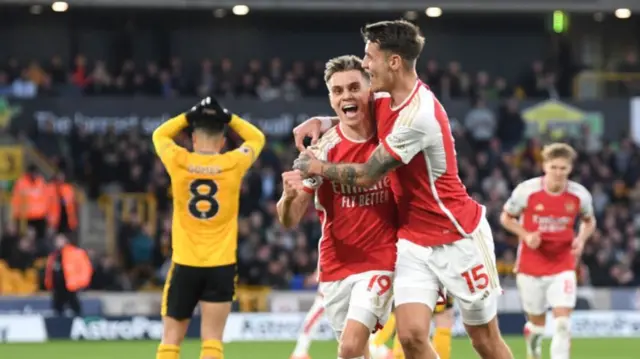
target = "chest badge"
x: 570, y: 207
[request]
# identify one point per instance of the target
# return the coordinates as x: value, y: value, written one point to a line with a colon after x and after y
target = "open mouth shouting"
x: 350, y: 110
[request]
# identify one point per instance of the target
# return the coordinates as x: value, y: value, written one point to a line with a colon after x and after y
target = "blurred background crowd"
x: 494, y: 154
x: 264, y: 79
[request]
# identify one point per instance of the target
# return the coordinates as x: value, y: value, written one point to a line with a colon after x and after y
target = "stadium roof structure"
x: 586, y: 6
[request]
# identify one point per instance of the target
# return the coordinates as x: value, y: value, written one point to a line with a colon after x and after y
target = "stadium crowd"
x: 494, y: 156
x: 266, y: 80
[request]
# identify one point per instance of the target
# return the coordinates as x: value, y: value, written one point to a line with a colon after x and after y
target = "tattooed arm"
x: 364, y: 175
x: 406, y: 140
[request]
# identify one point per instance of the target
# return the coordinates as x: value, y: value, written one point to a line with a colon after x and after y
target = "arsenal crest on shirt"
x: 570, y: 207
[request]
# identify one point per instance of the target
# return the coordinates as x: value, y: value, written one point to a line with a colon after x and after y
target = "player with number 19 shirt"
x: 358, y: 243
x: 358, y: 224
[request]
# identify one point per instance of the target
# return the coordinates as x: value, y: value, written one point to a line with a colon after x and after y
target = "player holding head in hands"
x: 444, y: 238
x: 206, y: 193
x: 542, y: 213
x: 358, y: 244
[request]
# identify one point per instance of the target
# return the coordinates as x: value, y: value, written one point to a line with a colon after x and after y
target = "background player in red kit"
x: 358, y: 244
x: 444, y: 238
x: 316, y: 312
x: 542, y: 213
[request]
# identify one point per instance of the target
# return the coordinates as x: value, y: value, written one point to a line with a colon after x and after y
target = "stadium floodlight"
x: 434, y: 12
x: 240, y: 10
x: 623, y: 13
x: 59, y: 6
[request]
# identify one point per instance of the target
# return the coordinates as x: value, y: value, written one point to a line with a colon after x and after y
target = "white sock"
x: 561, y: 340
x: 381, y: 351
x: 533, y: 335
x: 302, y: 345
x: 308, y: 328
x: 362, y: 357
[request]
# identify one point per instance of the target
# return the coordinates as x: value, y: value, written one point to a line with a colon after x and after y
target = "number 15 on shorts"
x: 476, y: 278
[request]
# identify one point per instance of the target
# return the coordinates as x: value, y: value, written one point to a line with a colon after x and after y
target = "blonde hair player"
x: 357, y: 250
x: 542, y: 213
x: 444, y: 238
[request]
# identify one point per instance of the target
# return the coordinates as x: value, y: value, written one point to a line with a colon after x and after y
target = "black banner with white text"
x: 607, y: 118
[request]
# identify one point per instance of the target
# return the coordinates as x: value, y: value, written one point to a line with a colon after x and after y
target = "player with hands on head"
x: 444, y: 239
x: 542, y: 212
x: 206, y: 192
x: 358, y: 245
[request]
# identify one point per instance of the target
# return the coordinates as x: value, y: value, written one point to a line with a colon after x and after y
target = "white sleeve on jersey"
x: 416, y: 129
x: 586, y: 200
x: 517, y: 202
x: 321, y: 151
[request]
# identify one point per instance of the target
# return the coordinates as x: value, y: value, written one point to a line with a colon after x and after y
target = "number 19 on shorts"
x: 382, y: 282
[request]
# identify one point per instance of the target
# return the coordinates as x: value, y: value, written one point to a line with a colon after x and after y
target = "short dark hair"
x: 398, y: 36
x: 209, y: 127
x: 343, y: 63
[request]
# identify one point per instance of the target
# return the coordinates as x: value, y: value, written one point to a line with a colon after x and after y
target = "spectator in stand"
x: 57, y: 71
x: 63, y: 207
x: 25, y: 252
x: 8, y: 240
x: 279, y: 80
x: 533, y: 80
x: 99, y: 81
x: 106, y: 276
x: 494, y: 156
x: 5, y: 87
x: 23, y: 87
x: 481, y: 124
x: 80, y: 73
x: 29, y: 201
x: 511, y: 126
x: 68, y: 271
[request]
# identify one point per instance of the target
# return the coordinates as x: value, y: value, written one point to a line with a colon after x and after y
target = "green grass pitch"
x: 605, y: 348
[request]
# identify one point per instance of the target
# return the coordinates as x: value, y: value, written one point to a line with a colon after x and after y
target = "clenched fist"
x: 532, y: 240
x: 291, y: 183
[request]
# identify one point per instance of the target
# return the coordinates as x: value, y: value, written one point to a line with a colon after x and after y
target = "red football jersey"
x: 433, y: 205
x: 553, y: 215
x: 359, y: 225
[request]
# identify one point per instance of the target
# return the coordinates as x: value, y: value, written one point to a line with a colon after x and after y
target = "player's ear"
x: 395, y: 61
